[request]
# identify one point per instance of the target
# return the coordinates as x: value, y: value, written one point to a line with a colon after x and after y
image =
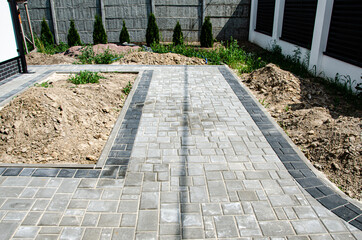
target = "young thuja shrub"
x: 152, y: 32
x: 46, y: 36
x: 178, y: 37
x: 99, y: 34
x: 73, y: 35
x: 84, y: 77
x: 124, y: 35
x: 206, y: 38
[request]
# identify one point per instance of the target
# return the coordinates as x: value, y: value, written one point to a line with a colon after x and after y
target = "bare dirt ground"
x: 329, y: 134
x: 61, y: 124
x: 36, y: 58
x: 147, y: 58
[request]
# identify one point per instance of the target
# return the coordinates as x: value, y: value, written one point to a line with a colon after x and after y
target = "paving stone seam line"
x: 293, y: 163
x: 117, y: 159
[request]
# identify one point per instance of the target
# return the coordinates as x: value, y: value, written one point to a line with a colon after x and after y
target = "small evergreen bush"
x: 46, y: 36
x: 124, y: 35
x: 99, y: 34
x: 73, y: 36
x: 178, y: 37
x: 152, y: 33
x: 206, y: 38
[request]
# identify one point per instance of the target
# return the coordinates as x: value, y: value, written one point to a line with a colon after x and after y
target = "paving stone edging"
x: 288, y: 155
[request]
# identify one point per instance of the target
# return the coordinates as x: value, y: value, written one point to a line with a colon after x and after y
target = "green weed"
x: 88, y: 56
x: 127, y: 88
x: 43, y: 84
x: 286, y: 108
x: 84, y: 77
x: 262, y: 102
x: 107, y: 57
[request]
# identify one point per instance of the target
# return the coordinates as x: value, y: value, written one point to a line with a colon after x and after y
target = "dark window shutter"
x: 265, y: 16
x: 345, y: 32
x: 298, y: 22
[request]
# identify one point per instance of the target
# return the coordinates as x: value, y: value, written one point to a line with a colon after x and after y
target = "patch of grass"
x: 230, y: 54
x: 43, y: 84
x: 50, y: 49
x: 127, y: 88
x: 84, y: 77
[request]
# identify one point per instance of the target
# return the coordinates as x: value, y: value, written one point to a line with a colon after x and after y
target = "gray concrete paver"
x: 200, y: 168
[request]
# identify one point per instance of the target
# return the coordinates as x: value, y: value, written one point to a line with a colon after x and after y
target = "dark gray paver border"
x: 116, y: 163
x: 290, y: 158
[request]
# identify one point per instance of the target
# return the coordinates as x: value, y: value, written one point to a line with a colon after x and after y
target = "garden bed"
x: 59, y: 122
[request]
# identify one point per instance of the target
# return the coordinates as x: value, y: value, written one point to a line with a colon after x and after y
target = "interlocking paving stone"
x: 195, y: 157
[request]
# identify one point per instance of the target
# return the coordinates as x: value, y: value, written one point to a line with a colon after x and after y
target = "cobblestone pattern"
x: 200, y: 168
x: 293, y: 163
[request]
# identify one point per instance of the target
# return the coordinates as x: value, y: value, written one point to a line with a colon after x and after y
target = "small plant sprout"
x: 286, y: 108
x: 262, y: 102
x: 84, y: 77
x: 127, y: 88
x: 43, y: 84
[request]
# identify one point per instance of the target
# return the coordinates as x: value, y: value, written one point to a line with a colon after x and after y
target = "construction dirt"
x: 325, y: 127
x: 62, y: 123
x: 147, y: 58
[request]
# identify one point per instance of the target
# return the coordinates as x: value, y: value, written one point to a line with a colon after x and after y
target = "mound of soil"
x: 63, y: 123
x: 100, y: 48
x: 328, y: 134
x: 147, y: 58
x: 36, y: 58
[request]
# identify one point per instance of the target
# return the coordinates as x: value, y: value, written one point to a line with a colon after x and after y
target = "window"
x: 298, y: 22
x: 345, y: 32
x: 265, y: 16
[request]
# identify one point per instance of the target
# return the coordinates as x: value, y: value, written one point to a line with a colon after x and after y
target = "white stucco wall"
x: 8, y: 46
x: 325, y: 66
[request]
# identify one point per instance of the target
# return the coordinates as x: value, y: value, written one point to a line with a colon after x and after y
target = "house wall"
x: 323, y: 65
x: 229, y: 17
x: 8, y: 47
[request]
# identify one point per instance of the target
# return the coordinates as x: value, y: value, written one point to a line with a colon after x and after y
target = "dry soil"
x: 63, y: 123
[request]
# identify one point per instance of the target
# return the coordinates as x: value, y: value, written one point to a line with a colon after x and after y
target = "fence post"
x: 320, y: 34
x: 54, y: 20
x: 103, y: 13
x: 153, y: 7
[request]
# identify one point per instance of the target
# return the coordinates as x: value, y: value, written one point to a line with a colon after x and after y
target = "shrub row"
x: 100, y: 36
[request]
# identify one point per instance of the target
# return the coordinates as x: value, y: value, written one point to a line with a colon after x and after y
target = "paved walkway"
x: 194, y: 158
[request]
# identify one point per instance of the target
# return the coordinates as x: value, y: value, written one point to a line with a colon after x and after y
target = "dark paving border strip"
x: 117, y: 161
x: 291, y: 160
